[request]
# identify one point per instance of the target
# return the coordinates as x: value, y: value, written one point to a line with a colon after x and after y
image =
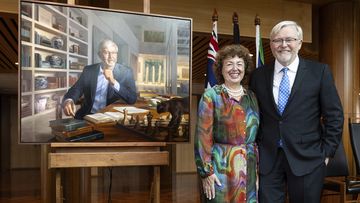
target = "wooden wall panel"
x: 94, y: 3
x: 356, y: 65
x: 339, y: 45
x: 128, y: 5
x: 21, y: 155
x: 185, y: 158
x: 201, y: 11
x: 356, y: 58
x: 5, y: 141
x: 9, y: 6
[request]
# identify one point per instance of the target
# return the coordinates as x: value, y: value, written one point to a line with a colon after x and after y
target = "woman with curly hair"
x: 226, y: 155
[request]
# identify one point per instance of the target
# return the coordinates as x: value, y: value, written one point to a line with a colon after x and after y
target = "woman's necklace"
x: 235, y: 93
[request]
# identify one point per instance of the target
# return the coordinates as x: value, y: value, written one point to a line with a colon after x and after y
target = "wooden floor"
x: 19, y: 186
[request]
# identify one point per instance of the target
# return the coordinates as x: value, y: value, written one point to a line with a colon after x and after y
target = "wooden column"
x: 339, y: 47
x: 146, y: 6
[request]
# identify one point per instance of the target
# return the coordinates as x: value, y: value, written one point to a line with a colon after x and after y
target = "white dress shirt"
x: 278, y: 74
x: 101, y: 91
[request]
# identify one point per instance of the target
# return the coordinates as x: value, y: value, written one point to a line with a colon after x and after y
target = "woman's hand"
x: 209, y: 186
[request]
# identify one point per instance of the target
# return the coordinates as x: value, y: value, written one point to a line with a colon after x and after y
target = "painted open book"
x: 114, y: 116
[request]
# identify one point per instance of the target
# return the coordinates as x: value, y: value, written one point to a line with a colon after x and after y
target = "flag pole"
x: 215, y: 16
x: 236, y: 30
x: 259, y: 48
x: 257, y: 20
x: 210, y: 79
x: 235, y: 18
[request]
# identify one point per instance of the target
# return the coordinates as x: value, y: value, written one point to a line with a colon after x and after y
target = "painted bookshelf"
x: 54, y: 50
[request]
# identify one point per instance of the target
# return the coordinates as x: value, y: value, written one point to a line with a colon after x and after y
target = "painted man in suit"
x: 101, y: 84
x: 301, y: 120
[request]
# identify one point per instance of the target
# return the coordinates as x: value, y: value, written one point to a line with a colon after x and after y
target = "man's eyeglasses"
x: 280, y: 41
x: 109, y: 53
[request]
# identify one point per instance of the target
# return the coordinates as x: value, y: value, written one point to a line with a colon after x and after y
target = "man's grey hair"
x: 106, y: 43
x: 276, y: 29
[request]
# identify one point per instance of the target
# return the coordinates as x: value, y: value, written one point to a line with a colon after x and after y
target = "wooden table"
x: 112, y: 154
x: 119, y: 147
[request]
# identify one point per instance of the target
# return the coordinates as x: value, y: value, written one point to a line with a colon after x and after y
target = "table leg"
x: 47, y: 188
x: 58, y: 189
x: 156, y: 181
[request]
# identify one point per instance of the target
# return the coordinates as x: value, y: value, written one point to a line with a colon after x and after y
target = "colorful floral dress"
x: 225, y: 144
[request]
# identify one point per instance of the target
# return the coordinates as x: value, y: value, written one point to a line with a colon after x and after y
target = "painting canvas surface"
x: 54, y: 51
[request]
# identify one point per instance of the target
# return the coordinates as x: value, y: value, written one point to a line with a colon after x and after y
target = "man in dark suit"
x: 101, y: 84
x: 301, y: 120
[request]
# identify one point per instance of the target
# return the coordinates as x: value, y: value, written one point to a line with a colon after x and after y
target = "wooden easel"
x: 100, y: 154
x: 85, y: 155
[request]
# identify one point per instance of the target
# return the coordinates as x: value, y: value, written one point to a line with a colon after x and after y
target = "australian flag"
x: 213, y: 49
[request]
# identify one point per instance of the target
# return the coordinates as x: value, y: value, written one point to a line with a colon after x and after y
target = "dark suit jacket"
x: 313, y: 98
x: 86, y: 85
